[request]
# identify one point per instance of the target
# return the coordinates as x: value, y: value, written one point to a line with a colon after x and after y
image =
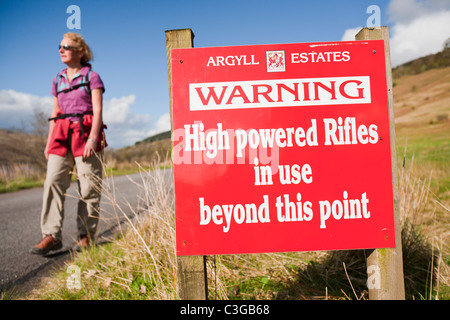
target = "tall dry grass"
x: 22, y: 162
x: 138, y: 261
x: 19, y: 171
x: 20, y: 176
x: 425, y: 235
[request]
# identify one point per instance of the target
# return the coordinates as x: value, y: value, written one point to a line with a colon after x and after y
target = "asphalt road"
x: 20, y: 226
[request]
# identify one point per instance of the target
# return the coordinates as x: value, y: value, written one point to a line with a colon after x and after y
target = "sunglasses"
x: 66, y: 47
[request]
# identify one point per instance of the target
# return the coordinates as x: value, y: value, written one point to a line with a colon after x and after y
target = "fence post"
x: 192, y: 276
x: 176, y: 39
x: 387, y: 264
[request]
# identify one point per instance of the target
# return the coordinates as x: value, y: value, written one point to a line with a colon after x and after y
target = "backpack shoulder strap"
x: 87, y: 80
x: 57, y: 80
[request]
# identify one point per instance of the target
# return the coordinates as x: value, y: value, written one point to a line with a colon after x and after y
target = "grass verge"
x: 139, y: 262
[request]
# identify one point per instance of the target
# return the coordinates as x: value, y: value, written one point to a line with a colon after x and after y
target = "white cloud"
x: 117, y: 110
x: 405, y: 11
x: 124, y: 126
x: 422, y: 36
x: 349, y: 34
x: 419, y: 28
x: 16, y: 108
x: 163, y: 123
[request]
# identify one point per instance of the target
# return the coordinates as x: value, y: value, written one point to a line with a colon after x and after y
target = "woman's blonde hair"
x: 81, y: 47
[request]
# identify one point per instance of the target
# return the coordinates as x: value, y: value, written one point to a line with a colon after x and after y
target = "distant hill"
x: 21, y: 148
x: 432, y: 61
x: 422, y: 94
x: 156, y: 137
x: 422, y: 102
x: 145, y: 152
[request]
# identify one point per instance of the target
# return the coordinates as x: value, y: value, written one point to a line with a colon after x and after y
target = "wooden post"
x: 192, y: 276
x: 176, y: 39
x: 388, y: 262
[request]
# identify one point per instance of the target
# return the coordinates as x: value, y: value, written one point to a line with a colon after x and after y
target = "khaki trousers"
x: 89, y: 178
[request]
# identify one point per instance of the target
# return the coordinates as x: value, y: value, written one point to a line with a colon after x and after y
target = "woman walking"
x: 75, y: 138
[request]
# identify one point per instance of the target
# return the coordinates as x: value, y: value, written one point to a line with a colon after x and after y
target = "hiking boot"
x: 83, y: 243
x: 46, y: 244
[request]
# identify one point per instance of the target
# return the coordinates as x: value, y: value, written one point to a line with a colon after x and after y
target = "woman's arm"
x: 97, y: 106
x: 51, y: 125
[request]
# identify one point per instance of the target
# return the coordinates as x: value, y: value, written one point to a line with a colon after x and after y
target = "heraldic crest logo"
x: 275, y: 61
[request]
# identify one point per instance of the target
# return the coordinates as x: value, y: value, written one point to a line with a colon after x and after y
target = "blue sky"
x: 128, y: 41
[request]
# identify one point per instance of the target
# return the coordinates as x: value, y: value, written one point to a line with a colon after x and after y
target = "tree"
x: 39, y: 123
x: 447, y: 43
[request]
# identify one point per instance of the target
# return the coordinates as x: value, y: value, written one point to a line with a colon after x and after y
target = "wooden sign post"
x: 192, y: 276
x: 385, y: 266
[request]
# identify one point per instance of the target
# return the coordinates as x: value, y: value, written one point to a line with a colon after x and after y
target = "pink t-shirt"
x: 78, y: 100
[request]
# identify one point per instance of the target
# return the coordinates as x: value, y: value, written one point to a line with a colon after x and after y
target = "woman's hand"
x: 97, y: 106
x: 89, y: 149
x: 46, y: 152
